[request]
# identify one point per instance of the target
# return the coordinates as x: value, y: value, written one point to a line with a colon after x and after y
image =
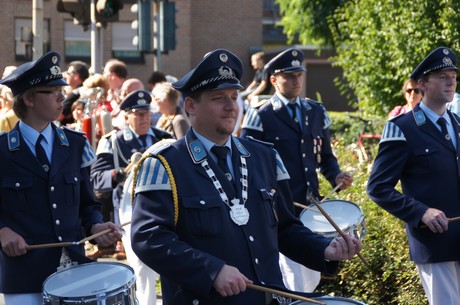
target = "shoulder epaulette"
x: 73, y: 130
x: 159, y: 147
x: 260, y: 141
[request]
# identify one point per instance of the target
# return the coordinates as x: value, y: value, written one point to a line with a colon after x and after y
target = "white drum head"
x: 89, y: 280
x: 345, y: 214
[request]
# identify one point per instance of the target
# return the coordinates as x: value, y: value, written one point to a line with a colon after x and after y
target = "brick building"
x: 242, y: 26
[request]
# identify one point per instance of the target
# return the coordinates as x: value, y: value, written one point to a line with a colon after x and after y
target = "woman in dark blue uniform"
x: 46, y: 195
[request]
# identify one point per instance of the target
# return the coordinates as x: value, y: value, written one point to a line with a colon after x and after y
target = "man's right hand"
x: 12, y: 243
x: 119, y: 175
x: 230, y: 281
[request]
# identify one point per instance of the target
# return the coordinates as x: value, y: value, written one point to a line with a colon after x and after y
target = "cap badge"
x: 294, y: 53
x: 55, y: 70
x: 223, y: 57
x: 54, y: 59
x: 295, y: 63
x: 225, y: 71
x: 447, y: 61
x: 141, y: 102
x: 445, y: 51
x: 140, y: 94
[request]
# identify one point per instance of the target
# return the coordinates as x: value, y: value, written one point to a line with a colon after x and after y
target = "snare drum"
x: 347, y: 215
x: 102, y: 283
x: 331, y: 301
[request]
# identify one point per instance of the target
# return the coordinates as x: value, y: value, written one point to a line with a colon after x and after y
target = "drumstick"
x: 101, y: 233
x: 282, y: 293
x: 52, y: 245
x: 305, y: 207
x: 332, y: 191
x: 337, y: 228
x: 73, y: 243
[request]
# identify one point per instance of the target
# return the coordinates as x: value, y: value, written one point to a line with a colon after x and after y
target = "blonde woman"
x: 172, y: 119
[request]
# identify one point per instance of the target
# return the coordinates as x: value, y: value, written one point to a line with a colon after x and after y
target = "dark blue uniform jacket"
x: 413, y: 151
x: 303, y: 150
x: 44, y: 208
x: 189, y: 244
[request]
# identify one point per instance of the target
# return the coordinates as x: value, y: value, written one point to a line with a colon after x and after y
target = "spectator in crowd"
x: 173, y: 118
x: 260, y: 84
x: 413, y: 95
x: 78, y: 114
x: 454, y: 106
x: 77, y: 73
x: 299, y: 131
x: 8, y: 118
x: 154, y: 78
x: 41, y: 165
x: 114, y: 152
x: 211, y: 211
x: 420, y: 152
x: 116, y: 72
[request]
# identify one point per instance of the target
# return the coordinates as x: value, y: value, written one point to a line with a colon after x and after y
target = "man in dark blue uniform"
x: 212, y: 212
x: 114, y: 152
x: 421, y: 150
x: 299, y: 130
x: 46, y: 194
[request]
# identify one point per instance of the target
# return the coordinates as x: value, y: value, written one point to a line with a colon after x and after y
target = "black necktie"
x: 293, y: 107
x: 143, y: 139
x: 41, y: 155
x: 443, y: 123
x: 221, y: 154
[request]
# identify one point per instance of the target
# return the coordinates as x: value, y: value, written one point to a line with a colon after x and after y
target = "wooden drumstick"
x: 73, y: 243
x: 101, y: 233
x: 332, y: 191
x: 337, y: 228
x: 305, y: 207
x: 282, y: 293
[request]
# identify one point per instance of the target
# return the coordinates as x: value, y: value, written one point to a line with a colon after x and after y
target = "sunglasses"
x: 416, y: 90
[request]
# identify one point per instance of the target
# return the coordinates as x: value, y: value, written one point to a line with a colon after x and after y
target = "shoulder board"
x: 256, y: 103
x: 259, y: 141
x: 73, y: 130
x: 159, y: 147
x: 108, y: 135
x: 391, y: 132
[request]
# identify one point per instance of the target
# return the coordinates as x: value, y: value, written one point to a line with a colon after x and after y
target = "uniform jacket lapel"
x: 429, y: 127
x: 281, y: 111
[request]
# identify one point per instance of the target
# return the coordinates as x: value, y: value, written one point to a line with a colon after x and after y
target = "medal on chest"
x: 239, y: 214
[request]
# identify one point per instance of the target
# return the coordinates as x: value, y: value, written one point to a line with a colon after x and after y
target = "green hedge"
x: 393, y: 278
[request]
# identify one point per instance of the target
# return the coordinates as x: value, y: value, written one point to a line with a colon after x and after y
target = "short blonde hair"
x: 165, y: 90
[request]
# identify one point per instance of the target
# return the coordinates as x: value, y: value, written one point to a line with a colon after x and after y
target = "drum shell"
x: 329, y: 300
x: 89, y: 284
x: 347, y: 215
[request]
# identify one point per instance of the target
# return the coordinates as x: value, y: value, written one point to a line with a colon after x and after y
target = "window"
x: 77, y: 43
x: 23, y: 38
x: 122, y: 43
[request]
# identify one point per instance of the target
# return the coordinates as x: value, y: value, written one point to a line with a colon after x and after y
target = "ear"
x: 28, y: 101
x: 273, y: 80
x: 189, y: 105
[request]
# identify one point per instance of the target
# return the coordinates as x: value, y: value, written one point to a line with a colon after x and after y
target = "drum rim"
x: 333, y: 298
x: 94, y: 296
x: 359, y: 222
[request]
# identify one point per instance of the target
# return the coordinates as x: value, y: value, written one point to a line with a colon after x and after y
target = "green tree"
x: 378, y: 43
x: 307, y: 18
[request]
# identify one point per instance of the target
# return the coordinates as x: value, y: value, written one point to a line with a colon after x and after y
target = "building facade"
x: 241, y: 26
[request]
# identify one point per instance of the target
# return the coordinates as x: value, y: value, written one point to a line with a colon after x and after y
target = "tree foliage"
x: 378, y: 43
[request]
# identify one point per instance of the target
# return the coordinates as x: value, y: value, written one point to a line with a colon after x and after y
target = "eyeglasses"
x: 416, y: 90
x: 55, y: 92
